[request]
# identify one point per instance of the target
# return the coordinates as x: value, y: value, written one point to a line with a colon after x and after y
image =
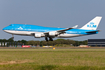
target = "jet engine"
x: 53, y: 33
x: 37, y: 35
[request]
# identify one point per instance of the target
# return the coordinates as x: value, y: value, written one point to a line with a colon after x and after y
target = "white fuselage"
x: 28, y: 33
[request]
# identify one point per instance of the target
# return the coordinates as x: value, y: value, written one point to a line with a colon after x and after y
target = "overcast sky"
x: 51, y: 13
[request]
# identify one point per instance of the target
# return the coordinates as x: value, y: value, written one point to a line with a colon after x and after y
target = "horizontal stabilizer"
x: 93, y: 31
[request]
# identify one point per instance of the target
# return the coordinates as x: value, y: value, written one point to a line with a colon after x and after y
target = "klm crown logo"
x: 20, y: 28
x: 92, y: 25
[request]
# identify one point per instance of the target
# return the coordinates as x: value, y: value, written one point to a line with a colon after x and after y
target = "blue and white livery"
x: 51, y: 32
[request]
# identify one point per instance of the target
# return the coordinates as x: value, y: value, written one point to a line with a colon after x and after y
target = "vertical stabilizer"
x: 93, y: 24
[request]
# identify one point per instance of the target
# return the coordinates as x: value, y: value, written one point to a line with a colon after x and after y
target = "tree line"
x: 58, y: 42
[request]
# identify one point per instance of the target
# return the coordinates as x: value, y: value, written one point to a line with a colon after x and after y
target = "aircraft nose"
x: 5, y: 28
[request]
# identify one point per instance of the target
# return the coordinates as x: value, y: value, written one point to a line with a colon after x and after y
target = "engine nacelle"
x: 53, y: 33
x: 37, y: 35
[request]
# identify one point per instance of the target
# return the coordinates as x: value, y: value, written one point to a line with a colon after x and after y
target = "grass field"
x: 49, y: 59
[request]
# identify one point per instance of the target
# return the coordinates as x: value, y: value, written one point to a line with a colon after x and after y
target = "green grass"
x: 49, y: 59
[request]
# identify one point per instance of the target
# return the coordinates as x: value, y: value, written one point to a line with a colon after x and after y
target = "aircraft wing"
x: 63, y: 30
x: 60, y: 31
x: 75, y: 26
x: 67, y: 29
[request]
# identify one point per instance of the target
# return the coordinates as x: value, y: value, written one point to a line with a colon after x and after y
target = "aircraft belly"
x: 68, y: 35
x: 20, y: 32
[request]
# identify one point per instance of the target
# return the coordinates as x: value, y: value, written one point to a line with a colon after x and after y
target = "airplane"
x: 51, y: 32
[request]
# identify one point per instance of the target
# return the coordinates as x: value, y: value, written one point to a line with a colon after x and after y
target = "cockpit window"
x: 11, y: 25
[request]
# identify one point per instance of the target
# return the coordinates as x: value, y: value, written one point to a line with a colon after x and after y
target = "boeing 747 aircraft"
x: 51, y: 32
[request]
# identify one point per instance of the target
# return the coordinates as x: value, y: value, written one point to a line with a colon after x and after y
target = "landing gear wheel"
x: 50, y: 39
x: 46, y: 39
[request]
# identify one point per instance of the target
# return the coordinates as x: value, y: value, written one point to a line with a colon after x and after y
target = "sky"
x: 51, y: 13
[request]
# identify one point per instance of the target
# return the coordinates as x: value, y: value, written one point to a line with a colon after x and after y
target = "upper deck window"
x: 10, y: 25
